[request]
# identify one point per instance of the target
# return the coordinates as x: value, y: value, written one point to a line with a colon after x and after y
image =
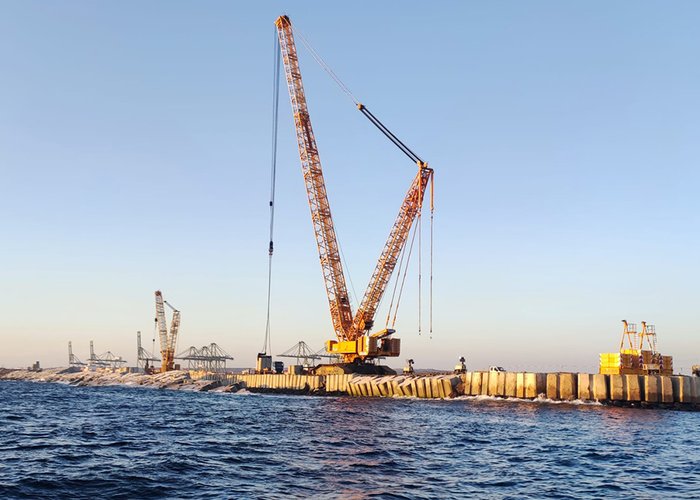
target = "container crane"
x: 354, y: 341
x: 167, y: 340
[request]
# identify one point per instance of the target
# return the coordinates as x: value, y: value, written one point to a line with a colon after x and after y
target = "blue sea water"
x: 59, y: 441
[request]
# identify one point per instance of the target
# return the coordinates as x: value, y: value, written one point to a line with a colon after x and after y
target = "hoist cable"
x: 325, y: 66
x: 432, y: 210
x: 420, y: 268
x: 267, y: 345
x: 348, y: 273
x: 405, y: 273
x: 375, y: 121
x: 396, y: 285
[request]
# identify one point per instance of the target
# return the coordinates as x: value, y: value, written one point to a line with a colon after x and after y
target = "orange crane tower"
x: 354, y: 342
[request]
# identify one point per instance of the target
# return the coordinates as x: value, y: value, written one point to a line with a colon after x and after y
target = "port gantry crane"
x: 167, y: 340
x: 354, y: 341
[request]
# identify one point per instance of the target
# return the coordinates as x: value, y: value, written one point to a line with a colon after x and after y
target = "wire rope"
x: 267, y: 344
x: 403, y: 280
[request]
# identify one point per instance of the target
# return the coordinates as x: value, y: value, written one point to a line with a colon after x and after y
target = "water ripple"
x: 60, y: 441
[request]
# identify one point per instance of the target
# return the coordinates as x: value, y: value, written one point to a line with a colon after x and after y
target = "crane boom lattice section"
x: 410, y: 209
x: 329, y: 254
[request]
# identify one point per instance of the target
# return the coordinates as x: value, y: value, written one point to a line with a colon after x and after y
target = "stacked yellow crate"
x: 610, y: 363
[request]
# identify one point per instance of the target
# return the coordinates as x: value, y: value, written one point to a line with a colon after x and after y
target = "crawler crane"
x: 354, y: 341
x: 167, y: 340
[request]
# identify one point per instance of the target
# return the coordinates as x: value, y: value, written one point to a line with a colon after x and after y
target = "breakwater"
x: 627, y: 390
x: 682, y: 392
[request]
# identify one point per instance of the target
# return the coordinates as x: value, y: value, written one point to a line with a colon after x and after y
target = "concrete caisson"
x: 600, y: 387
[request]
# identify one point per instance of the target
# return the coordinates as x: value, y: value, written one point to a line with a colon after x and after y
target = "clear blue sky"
x: 135, y: 151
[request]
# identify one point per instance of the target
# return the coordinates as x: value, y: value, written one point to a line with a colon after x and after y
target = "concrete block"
x: 682, y: 389
x: 414, y: 388
x: 438, y: 389
x: 510, y: 384
x: 360, y: 389
x: 666, y: 390
x: 467, y: 382
x: 485, y: 383
x: 345, y: 380
x: 617, y: 387
x: 371, y: 385
x: 434, y: 390
x: 501, y: 387
x: 633, y: 388
x: 568, y: 386
x: 600, y: 387
x: 405, y: 388
x: 585, y: 386
x: 420, y: 387
x: 447, y: 386
x: 493, y: 384
x: 395, y: 389
x: 695, y: 389
x: 520, y: 385
x: 380, y: 384
x: 476, y: 384
x: 428, y: 387
x: 541, y: 379
x: 552, y: 386
x: 336, y: 384
x: 531, y: 385
x: 652, y: 388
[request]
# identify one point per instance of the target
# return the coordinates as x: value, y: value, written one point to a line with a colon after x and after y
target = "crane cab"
x: 365, y: 347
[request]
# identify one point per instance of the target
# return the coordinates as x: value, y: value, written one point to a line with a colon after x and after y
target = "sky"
x: 135, y: 146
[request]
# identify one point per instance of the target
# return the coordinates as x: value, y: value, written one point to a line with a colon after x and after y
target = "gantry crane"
x: 72, y: 358
x: 167, y: 340
x: 354, y: 341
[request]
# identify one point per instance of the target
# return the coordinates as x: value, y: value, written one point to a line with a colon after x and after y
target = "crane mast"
x: 167, y: 348
x: 174, y: 328
x: 354, y: 343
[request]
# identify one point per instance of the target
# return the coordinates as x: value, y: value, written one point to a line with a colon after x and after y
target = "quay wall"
x: 624, y: 390
x: 681, y: 392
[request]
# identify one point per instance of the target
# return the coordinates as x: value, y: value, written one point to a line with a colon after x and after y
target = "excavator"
x: 167, y: 340
x: 356, y: 343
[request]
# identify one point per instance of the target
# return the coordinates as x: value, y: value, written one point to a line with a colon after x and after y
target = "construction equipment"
x: 72, y: 358
x: 168, y: 340
x: 303, y: 355
x: 461, y: 367
x: 106, y: 360
x: 144, y: 359
x: 633, y: 358
x: 209, y: 359
x: 408, y: 369
x: 354, y: 341
x: 263, y: 363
